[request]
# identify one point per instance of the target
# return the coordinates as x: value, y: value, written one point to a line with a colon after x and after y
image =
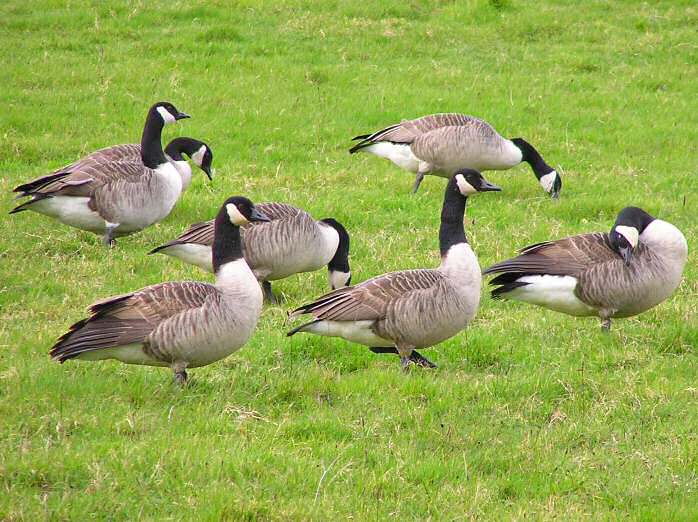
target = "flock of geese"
x: 122, y: 189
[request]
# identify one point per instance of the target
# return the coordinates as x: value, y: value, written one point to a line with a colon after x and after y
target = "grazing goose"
x: 620, y: 274
x: 400, y: 311
x: 180, y: 325
x: 199, y: 152
x: 291, y: 243
x: 441, y: 144
x: 114, y: 197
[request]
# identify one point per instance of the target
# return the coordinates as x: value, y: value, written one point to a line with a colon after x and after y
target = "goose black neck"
x: 452, y: 231
x: 340, y: 260
x: 151, y: 144
x: 531, y: 156
x: 179, y: 146
x: 226, y: 241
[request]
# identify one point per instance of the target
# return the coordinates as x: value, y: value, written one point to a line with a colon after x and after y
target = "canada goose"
x: 441, y: 144
x: 293, y: 242
x: 199, y: 152
x: 113, y: 198
x: 620, y: 274
x: 400, y: 311
x: 181, y: 325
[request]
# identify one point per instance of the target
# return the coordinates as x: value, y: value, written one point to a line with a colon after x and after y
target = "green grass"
x: 531, y: 414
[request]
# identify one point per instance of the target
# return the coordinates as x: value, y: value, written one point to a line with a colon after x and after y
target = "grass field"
x: 531, y: 414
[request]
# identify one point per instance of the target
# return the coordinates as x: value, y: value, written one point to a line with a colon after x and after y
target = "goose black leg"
x: 606, y: 325
x: 181, y: 377
x: 268, y: 294
x: 416, y: 357
x: 417, y: 181
x: 108, y: 238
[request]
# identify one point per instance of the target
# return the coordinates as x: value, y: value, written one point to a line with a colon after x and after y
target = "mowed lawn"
x: 530, y: 415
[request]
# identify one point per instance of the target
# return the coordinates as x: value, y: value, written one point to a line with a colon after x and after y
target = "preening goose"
x: 113, y: 197
x: 400, y: 311
x: 620, y: 274
x: 441, y: 144
x: 291, y: 243
x: 180, y: 325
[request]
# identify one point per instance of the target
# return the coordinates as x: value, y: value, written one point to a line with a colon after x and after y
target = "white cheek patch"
x: 198, y: 156
x: 548, y: 180
x: 165, y: 115
x: 629, y: 233
x: 464, y: 187
x: 235, y: 215
x: 338, y: 279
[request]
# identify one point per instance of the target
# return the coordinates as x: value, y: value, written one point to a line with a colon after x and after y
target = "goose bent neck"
x: 531, y: 156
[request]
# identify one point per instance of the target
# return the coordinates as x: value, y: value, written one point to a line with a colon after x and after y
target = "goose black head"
x: 169, y: 112
x: 199, y: 152
x: 625, y: 234
x: 242, y: 211
x: 471, y: 182
x: 339, y: 273
x: 203, y: 157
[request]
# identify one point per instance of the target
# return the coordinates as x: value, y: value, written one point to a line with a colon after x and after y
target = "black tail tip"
x: 358, y: 147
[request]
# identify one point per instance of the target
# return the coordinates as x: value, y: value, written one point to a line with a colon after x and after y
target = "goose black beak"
x: 208, y: 172
x: 256, y: 215
x: 626, y: 253
x: 557, y: 187
x: 488, y: 187
x: 182, y: 116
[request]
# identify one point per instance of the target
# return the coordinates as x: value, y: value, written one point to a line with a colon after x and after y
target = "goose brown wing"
x: 276, y: 211
x: 198, y: 234
x: 202, y: 233
x: 130, y: 318
x: 570, y: 256
x: 89, y: 177
x: 130, y: 152
x: 371, y: 299
x: 407, y: 131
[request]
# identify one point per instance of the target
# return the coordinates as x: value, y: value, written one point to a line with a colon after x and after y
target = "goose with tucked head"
x: 625, y: 272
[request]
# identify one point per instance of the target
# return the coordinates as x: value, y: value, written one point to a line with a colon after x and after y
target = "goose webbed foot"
x: 416, y: 357
x: 606, y: 325
x: 417, y: 181
x: 405, y: 362
x: 268, y: 294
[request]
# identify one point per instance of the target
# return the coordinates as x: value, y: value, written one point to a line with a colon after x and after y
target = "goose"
x: 401, y: 311
x: 178, y: 324
x: 199, y: 152
x: 618, y: 274
x: 440, y: 144
x: 291, y: 243
x: 113, y: 197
